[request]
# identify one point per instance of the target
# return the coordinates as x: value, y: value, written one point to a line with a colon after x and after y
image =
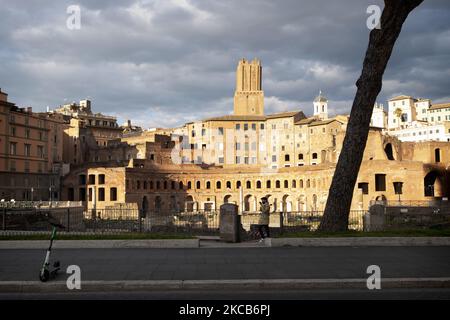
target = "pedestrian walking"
x: 264, y: 219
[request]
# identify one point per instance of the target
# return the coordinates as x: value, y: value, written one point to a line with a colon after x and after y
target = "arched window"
x: 268, y: 184
x: 151, y: 184
x: 158, y: 185
x: 249, y: 185
x: 286, y: 184
x: 218, y: 185
x: 314, y: 155
x: 294, y: 183
x: 165, y: 184
x: 172, y: 185
x: 301, y: 183
x: 277, y: 184
x: 208, y: 184
x: 198, y: 185
x: 308, y: 183
x: 229, y: 184
x: 258, y: 184
x: 180, y: 185
x: 189, y: 185
x: 238, y: 184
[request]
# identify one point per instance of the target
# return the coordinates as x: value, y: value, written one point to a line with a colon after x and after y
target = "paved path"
x: 232, y: 263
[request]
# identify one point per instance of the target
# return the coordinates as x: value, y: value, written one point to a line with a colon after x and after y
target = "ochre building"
x: 239, y: 158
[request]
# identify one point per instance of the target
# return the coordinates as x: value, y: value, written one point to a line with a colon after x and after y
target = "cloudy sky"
x: 165, y: 62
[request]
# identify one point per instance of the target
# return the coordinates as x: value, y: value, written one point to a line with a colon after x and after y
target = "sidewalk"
x: 252, y: 284
x: 214, y: 242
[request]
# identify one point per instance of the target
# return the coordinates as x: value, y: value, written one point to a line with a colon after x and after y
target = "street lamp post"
x: 51, y: 196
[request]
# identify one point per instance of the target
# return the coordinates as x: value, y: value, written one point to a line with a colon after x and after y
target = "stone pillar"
x: 374, y: 220
x: 230, y: 223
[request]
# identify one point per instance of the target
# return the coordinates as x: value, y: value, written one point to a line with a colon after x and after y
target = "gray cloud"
x: 163, y: 62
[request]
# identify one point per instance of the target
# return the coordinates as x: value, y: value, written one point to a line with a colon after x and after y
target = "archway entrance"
x: 389, y: 151
x: 434, y: 185
x: 286, y: 204
x: 228, y: 199
x: 301, y: 203
x: 248, y: 199
x: 158, y: 204
x: 189, y: 204
x: 144, y: 207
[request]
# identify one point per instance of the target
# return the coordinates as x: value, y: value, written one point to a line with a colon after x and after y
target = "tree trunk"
x: 381, y: 43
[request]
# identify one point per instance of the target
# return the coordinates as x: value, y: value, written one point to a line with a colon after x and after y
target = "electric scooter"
x: 45, y: 274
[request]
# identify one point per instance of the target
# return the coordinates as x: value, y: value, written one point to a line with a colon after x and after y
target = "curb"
x: 100, y: 244
x: 148, y: 285
x: 359, y: 241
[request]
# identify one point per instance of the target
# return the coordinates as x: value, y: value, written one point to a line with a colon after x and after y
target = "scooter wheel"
x: 44, y: 276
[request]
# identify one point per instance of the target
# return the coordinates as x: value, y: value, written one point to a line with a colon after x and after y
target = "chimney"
x: 3, y: 96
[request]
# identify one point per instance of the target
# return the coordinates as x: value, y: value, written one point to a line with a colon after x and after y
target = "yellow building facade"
x: 242, y: 157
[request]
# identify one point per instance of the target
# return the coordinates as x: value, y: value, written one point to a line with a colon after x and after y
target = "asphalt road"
x: 232, y: 263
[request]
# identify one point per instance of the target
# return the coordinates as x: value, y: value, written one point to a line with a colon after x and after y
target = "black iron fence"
x: 197, y: 222
x: 310, y: 220
x: 412, y: 203
x: 40, y: 219
x: 109, y: 221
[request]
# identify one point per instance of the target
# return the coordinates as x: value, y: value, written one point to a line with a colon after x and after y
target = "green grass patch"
x: 390, y: 233
x: 125, y: 236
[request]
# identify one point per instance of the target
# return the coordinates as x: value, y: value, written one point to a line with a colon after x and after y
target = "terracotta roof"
x: 233, y: 117
x: 321, y: 122
x: 440, y: 106
x: 423, y: 99
x: 283, y: 114
x: 306, y: 121
x: 401, y: 97
x: 317, y: 122
x: 236, y: 118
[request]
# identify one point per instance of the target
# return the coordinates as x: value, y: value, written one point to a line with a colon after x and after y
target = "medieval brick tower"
x: 249, y: 97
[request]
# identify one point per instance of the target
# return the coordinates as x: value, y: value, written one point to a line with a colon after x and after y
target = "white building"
x: 422, y: 106
x: 379, y: 117
x: 438, y: 113
x: 401, y: 112
x: 321, y: 107
x: 416, y: 120
x: 423, y: 131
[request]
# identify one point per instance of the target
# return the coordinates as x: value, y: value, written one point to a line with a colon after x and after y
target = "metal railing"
x: 434, y: 218
x: 197, y: 222
x: 412, y: 203
x: 37, y: 219
x: 39, y: 204
x: 310, y: 220
x: 110, y: 221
